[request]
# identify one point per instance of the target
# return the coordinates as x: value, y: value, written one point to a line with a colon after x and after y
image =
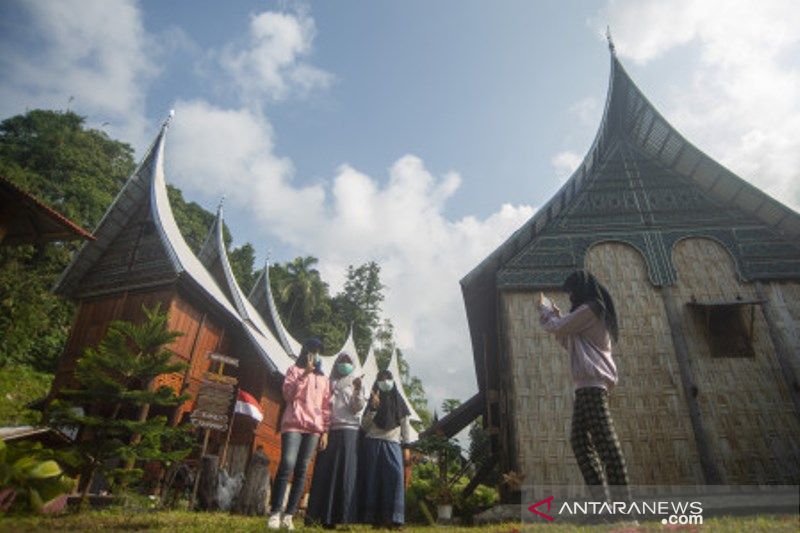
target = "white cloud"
x: 268, y: 64
x: 741, y: 104
x: 587, y: 110
x: 565, y: 163
x: 398, y: 222
x: 99, y: 52
x: 95, y: 51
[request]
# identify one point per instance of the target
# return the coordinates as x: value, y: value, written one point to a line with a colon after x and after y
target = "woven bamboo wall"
x: 647, y: 406
x: 744, y: 402
x: 785, y: 299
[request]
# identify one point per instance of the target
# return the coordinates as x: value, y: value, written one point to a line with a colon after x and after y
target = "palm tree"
x: 303, y: 287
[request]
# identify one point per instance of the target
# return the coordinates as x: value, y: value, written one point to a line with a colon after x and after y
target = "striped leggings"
x: 596, y: 445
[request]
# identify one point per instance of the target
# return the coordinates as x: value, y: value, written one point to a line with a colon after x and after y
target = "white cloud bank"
x: 100, y: 53
x: 741, y: 104
x: 92, y: 55
x: 397, y: 220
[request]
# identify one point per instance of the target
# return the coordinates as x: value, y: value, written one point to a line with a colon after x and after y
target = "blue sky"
x: 418, y: 134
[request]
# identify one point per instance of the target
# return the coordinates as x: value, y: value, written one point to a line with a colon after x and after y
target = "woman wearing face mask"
x: 587, y: 332
x: 333, y: 489
x: 304, y: 427
x: 386, y: 425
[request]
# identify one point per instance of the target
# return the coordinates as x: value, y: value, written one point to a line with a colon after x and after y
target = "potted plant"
x: 443, y: 496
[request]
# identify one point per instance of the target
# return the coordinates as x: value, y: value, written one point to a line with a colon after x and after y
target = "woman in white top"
x: 333, y: 498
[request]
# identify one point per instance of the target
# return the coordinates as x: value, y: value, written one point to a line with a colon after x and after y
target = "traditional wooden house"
x: 138, y: 258
x: 705, y: 271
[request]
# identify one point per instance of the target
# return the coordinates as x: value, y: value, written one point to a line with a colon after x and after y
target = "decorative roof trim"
x: 394, y: 368
x: 686, y: 159
x: 270, y: 313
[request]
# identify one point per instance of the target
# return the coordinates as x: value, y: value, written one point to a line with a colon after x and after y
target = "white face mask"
x: 386, y: 385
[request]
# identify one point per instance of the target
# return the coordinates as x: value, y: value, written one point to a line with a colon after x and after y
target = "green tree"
x: 450, y: 404
x: 359, y: 303
x: 112, y: 405
x: 242, y: 262
x: 77, y: 171
x: 384, y: 347
x: 302, y: 291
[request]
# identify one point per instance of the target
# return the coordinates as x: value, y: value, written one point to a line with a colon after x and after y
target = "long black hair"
x: 392, y: 408
x: 584, y: 288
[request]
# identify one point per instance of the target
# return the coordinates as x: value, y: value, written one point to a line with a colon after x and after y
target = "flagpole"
x: 230, y: 429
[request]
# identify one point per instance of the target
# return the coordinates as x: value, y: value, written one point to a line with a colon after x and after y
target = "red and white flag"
x: 248, y: 406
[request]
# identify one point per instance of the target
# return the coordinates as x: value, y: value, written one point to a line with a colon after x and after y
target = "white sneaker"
x: 286, y: 522
x: 274, y: 521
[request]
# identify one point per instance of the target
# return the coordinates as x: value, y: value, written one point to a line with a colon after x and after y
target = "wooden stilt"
x: 711, y: 472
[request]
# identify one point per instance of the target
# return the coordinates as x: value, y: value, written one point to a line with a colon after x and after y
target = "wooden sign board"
x: 213, y: 405
x: 218, y: 357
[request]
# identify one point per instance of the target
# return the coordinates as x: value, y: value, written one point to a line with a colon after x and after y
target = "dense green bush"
x: 30, y: 479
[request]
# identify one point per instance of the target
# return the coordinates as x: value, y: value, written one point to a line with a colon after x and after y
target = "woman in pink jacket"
x: 304, y: 428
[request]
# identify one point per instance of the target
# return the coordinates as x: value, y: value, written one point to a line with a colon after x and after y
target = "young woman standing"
x: 304, y: 427
x: 587, y: 332
x: 333, y: 497
x: 386, y: 426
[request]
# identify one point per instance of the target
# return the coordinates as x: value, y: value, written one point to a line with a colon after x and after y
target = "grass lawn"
x: 182, y: 521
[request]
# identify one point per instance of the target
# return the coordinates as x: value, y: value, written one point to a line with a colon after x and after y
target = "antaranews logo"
x: 534, y: 510
x: 670, y: 512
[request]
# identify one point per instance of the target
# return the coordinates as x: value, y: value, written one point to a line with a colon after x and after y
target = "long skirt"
x: 381, y: 471
x: 333, y: 488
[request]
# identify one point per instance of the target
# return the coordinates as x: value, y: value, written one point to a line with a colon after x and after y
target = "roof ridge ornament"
x: 169, y: 118
x: 220, y: 204
x: 611, y: 47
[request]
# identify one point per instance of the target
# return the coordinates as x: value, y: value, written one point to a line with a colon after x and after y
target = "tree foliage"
x: 78, y: 171
x: 116, y: 394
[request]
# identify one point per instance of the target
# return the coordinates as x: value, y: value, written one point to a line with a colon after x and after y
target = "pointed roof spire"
x: 394, y: 368
x: 147, y: 187
x: 370, y: 368
x: 262, y: 300
x: 611, y: 47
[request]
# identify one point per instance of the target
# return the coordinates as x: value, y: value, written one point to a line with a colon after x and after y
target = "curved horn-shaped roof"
x: 349, y: 347
x: 147, y: 187
x: 632, y: 129
x: 214, y: 256
x: 394, y: 368
x: 370, y: 368
x: 262, y: 299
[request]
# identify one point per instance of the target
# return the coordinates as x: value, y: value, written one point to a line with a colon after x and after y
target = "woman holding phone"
x: 304, y: 427
x: 333, y: 497
x: 587, y: 332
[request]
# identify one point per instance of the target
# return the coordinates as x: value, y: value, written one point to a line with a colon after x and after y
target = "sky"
x: 417, y: 134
